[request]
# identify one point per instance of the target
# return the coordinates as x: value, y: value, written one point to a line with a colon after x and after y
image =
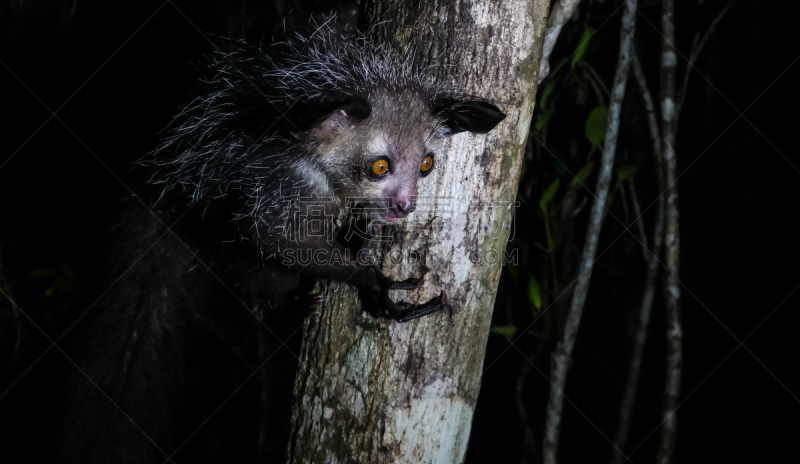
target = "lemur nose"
x: 403, y: 206
x: 407, y: 206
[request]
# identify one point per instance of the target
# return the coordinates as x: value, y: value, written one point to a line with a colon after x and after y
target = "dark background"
x: 120, y: 82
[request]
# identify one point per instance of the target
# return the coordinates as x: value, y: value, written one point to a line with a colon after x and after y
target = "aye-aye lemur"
x: 328, y: 124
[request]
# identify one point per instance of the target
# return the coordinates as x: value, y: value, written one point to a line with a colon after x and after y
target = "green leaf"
x: 50, y: 291
x: 626, y: 171
x: 507, y: 330
x: 596, y: 125
x: 549, y: 194
x: 533, y: 292
x: 582, y: 44
x: 581, y: 176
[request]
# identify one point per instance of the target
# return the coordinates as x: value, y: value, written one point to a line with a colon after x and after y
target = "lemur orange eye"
x: 427, y: 164
x: 380, y: 167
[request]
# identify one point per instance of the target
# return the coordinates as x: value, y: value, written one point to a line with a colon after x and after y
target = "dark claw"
x: 375, y: 293
x: 408, y: 311
x: 410, y: 284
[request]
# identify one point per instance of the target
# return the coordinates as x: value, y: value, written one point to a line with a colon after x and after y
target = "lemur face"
x: 377, y: 151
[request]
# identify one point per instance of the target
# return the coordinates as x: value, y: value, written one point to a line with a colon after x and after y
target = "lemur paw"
x: 408, y: 311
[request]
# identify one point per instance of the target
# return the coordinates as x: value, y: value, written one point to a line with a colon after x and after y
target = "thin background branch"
x: 672, y: 240
x: 559, y: 15
x: 562, y: 355
x: 697, y: 47
x: 643, y: 320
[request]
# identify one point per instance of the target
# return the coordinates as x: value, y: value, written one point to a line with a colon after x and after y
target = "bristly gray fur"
x: 236, y: 140
x: 329, y: 117
x: 331, y: 63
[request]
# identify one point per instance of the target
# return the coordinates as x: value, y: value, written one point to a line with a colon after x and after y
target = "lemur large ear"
x: 476, y: 116
x: 340, y: 120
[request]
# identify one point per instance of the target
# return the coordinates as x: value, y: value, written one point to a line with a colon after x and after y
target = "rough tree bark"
x: 371, y: 390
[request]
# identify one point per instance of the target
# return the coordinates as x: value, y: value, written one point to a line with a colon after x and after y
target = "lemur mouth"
x: 384, y: 217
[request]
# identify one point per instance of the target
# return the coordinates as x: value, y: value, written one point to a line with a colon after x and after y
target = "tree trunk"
x: 372, y: 390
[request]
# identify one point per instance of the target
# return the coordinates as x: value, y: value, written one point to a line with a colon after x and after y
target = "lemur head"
x: 377, y: 149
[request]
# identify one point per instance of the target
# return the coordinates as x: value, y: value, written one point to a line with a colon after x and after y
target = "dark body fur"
x: 271, y: 141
